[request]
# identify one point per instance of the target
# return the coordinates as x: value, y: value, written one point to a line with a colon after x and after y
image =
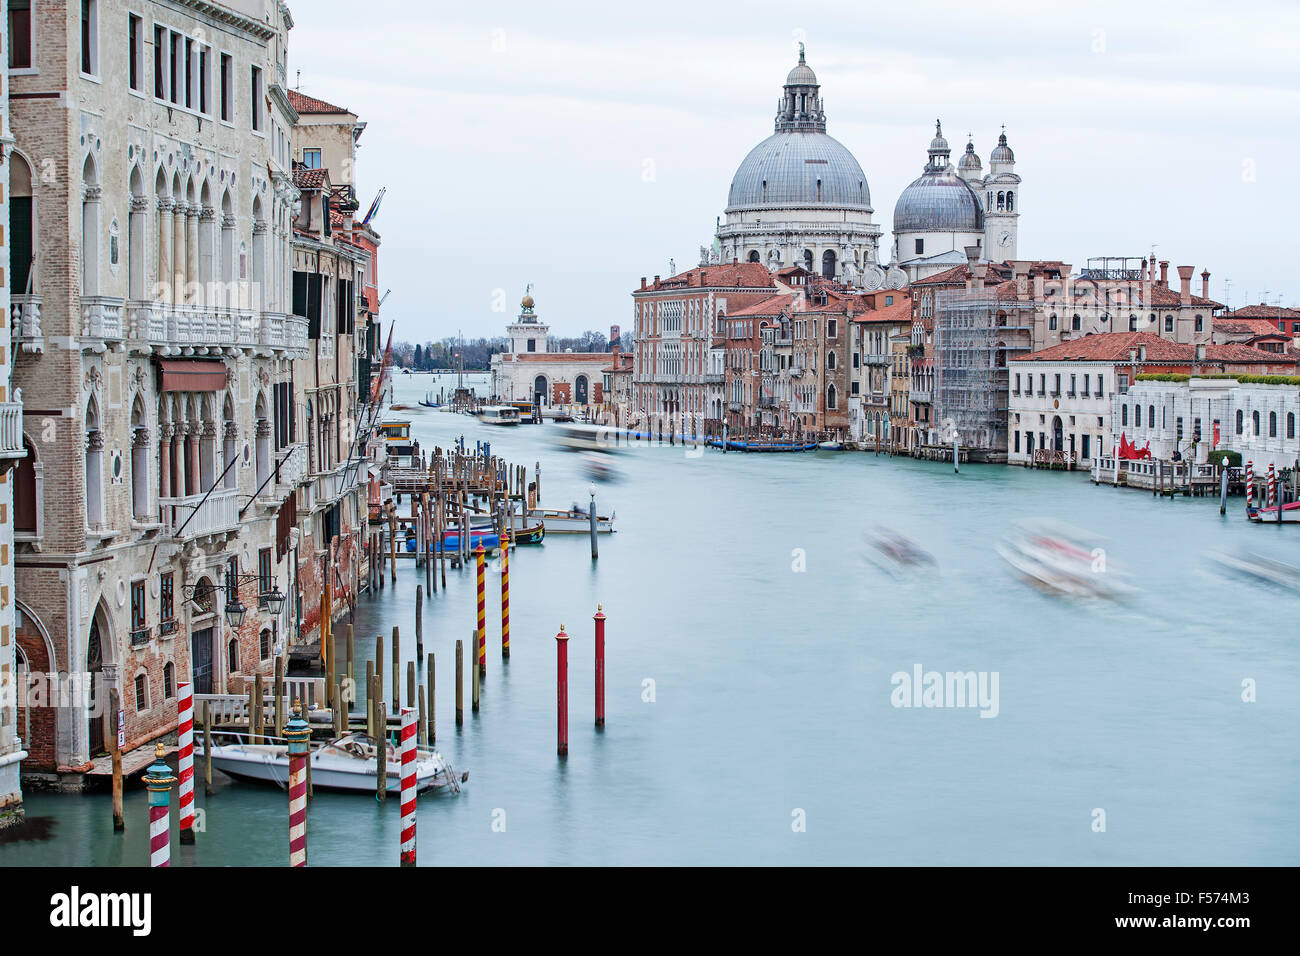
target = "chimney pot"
x: 656, y: 280
x: 1185, y: 283
x: 1142, y: 353
x: 643, y: 282
x: 1200, y: 353
x: 1132, y: 356
x: 1205, y: 284
x: 1164, y: 273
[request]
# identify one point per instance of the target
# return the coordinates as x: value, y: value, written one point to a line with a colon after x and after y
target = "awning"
x: 193, y: 376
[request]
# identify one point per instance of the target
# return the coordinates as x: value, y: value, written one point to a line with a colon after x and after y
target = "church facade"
x: 530, y: 372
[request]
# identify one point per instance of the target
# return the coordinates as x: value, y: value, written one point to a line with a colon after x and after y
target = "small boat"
x: 573, y: 521
x: 498, y: 415
x: 761, y: 446
x: 1290, y: 514
x: 1259, y: 568
x: 1062, y: 560
x: 830, y: 446
x: 347, y: 763
x: 533, y: 535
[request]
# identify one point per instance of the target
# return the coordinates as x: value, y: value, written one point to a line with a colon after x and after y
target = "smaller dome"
x: 938, y: 144
x: 1002, y: 152
x: 969, y: 159
x: 802, y: 74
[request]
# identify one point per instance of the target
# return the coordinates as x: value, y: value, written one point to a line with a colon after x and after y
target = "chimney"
x: 1151, y: 269
x: 1142, y: 353
x: 656, y: 282
x: 1200, y: 353
x: 1185, y: 284
x: 643, y: 282
x: 1132, y: 356
x: 1205, y: 284
x: 1164, y: 273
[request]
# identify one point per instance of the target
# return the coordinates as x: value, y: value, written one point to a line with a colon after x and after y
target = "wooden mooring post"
x: 460, y: 683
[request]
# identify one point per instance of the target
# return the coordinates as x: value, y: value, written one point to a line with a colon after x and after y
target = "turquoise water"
x: 772, y: 686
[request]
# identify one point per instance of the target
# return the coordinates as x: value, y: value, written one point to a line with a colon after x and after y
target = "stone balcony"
x: 198, y: 330
x: 876, y: 358
x: 191, y: 516
x: 11, y: 430
x: 101, y: 322
x: 25, y: 319
x: 292, y: 472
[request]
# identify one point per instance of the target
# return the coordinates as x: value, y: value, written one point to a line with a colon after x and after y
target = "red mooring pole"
x: 562, y: 692
x: 481, y: 652
x: 600, y: 666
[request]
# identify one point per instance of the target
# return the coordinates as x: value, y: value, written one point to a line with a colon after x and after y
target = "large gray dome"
x: 787, y: 167
x: 938, y: 202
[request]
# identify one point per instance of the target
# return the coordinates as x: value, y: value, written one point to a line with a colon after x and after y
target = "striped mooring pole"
x: 1250, y: 485
x: 298, y: 733
x: 600, y: 666
x: 158, y: 779
x: 505, y: 595
x: 481, y: 651
x: 1272, y: 486
x: 185, y: 757
x: 562, y: 692
x: 409, y: 715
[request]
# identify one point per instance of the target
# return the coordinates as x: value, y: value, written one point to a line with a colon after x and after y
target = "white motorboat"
x: 347, y: 763
x: 574, y: 521
x: 1064, y: 560
x: 498, y: 415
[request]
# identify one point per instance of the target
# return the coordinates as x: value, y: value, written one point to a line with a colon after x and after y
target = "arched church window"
x: 828, y: 263
x: 753, y: 255
x: 808, y: 260
x: 1002, y: 200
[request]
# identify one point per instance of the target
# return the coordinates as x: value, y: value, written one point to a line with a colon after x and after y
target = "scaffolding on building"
x: 975, y: 333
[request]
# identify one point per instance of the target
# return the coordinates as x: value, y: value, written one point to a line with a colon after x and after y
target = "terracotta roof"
x: 624, y: 364
x: 1114, y: 347
x: 958, y: 275
x: 900, y: 311
x: 305, y: 178
x: 1262, y: 311
x: 1239, y: 354
x: 738, y: 275
x: 1233, y: 325
x: 772, y: 305
x: 1165, y: 297
x: 302, y: 103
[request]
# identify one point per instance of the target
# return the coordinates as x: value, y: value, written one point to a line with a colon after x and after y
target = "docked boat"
x: 347, y: 764
x: 525, y: 410
x: 830, y: 446
x: 530, y: 535
x: 1275, y: 514
x: 498, y: 415
x: 398, y: 446
x: 573, y: 521
x: 761, y: 446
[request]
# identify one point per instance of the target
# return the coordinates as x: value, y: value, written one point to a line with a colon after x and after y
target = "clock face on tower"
x: 1004, y: 238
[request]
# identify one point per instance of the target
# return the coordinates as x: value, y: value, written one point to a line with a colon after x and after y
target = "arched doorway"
x: 36, y: 722
x: 202, y: 637
x: 580, y: 390
x: 1058, y: 438
x: 98, y: 698
x: 539, y: 390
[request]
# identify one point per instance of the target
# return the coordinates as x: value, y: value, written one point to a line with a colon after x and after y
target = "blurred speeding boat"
x: 896, y: 554
x: 1062, y: 560
x: 1258, y: 567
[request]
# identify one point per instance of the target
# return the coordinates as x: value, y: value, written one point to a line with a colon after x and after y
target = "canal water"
x: 752, y: 648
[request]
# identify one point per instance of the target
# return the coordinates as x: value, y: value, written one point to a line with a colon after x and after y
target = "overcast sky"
x: 581, y: 146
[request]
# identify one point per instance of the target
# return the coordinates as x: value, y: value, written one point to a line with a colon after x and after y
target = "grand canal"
x: 742, y: 691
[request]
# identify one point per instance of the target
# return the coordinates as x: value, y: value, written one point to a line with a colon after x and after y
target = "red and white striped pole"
x: 562, y: 692
x: 298, y: 733
x: 1250, y: 485
x: 600, y: 666
x: 505, y: 594
x: 409, y: 720
x: 1272, y: 486
x: 158, y: 779
x: 479, y: 555
x: 185, y: 757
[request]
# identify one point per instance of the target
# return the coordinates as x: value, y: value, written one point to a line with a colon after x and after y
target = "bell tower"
x: 1001, y: 204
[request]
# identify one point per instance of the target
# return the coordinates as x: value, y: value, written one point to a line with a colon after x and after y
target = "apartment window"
x: 1132, y: 323
x: 1169, y: 323
x: 1290, y: 424
x: 134, y: 50
x: 1072, y: 385
x: 532, y: 345
x: 189, y: 74
x: 1017, y: 392
x: 920, y: 246
x: 1101, y: 386
x: 1056, y: 386
x: 166, y: 597
x: 232, y: 657
x: 1076, y: 323
x: 169, y: 680
x: 1085, y: 386
x: 264, y: 571
x: 264, y: 644
x: 1051, y: 322
x: 139, y: 612
x: 1123, y: 415
x: 1042, y: 384
x: 311, y: 158
x: 141, y: 693
x: 256, y: 89
x: 227, y: 84
x: 159, y: 63
x: 1254, y: 424
x: 1272, y: 424
x: 90, y: 37
x: 1151, y: 418
x: 831, y: 326
x: 177, y: 65
x: 889, y: 300
x: 205, y: 81
x: 1200, y: 323
x: 20, y: 34
x: 1137, y: 417
x: 1017, y: 442
x: 1178, y: 423
x: 1240, y: 421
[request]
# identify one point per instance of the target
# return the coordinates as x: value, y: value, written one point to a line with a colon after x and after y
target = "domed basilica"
x: 801, y: 198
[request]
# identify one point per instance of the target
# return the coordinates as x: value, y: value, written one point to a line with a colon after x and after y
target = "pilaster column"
x: 164, y: 249
x: 192, y: 484
x: 178, y: 253
x: 165, y: 461
x: 192, y: 252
